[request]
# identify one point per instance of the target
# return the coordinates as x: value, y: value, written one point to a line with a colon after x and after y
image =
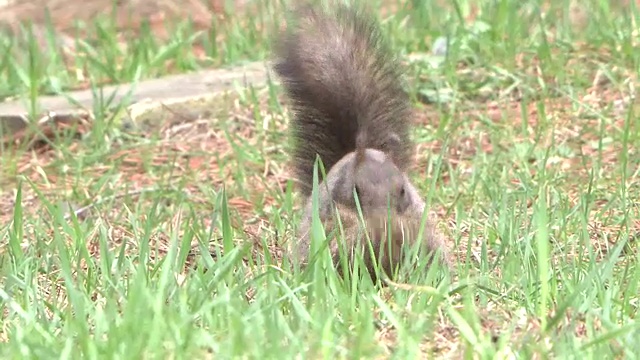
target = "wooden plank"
x: 14, y: 114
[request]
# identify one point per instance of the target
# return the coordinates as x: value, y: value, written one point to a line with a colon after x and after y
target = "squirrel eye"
x: 402, y: 191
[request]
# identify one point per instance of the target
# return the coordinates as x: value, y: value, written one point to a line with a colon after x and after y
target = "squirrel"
x: 350, y: 110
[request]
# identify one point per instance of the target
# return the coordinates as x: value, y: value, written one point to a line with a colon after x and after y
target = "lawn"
x: 528, y: 141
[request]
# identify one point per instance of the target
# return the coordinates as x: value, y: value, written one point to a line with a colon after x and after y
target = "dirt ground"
x: 128, y: 13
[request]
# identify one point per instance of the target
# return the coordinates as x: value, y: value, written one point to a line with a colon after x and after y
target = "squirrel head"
x: 377, y: 181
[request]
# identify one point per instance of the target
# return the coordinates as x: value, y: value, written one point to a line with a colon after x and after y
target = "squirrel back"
x: 344, y: 88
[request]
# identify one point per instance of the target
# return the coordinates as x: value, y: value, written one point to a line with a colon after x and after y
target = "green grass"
x: 182, y: 256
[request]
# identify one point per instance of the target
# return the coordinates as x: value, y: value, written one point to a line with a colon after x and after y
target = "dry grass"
x: 493, y: 169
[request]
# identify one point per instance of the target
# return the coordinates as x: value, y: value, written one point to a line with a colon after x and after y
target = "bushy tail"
x: 341, y: 81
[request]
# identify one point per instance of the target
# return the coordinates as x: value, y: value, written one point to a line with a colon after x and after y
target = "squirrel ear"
x: 393, y: 144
